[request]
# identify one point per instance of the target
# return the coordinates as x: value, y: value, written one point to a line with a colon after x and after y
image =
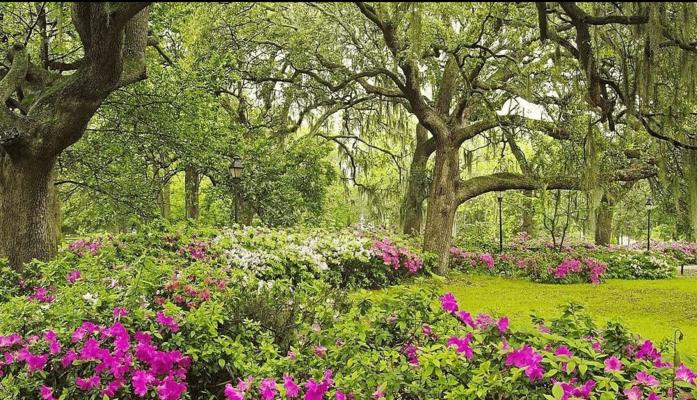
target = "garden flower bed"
x: 264, y: 314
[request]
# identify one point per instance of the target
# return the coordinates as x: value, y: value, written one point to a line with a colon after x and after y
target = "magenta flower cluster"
x: 312, y: 389
x: 196, y: 250
x: 82, y: 247
x: 591, y: 267
x: 472, y: 259
x: 397, y: 257
x: 112, y: 356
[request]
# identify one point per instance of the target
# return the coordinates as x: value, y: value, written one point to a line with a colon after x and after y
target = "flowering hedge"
x: 590, y: 265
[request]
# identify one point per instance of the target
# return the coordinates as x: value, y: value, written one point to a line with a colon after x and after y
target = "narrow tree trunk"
x: 528, y: 218
x: 28, y: 210
x: 691, y: 176
x: 164, y: 196
x: 191, y: 186
x: 442, y: 204
x: 603, y: 225
x: 417, y: 186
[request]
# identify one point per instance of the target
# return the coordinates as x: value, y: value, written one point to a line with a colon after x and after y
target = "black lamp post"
x: 499, y: 196
x: 236, y: 168
x: 649, y: 207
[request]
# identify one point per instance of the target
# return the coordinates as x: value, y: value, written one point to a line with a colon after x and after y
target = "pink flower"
x: 378, y: 394
x: 463, y: 345
x: 119, y: 312
x: 613, y: 364
x: 290, y: 386
x: 502, y: 325
x: 170, y: 389
x: 646, y: 379
x: 466, y: 318
x: 320, y: 351
x: 41, y: 295
x: 448, y: 303
x: 633, y: 393
x: 563, y: 351
x: 487, y: 259
x: 87, y: 383
x: 141, y: 380
x: 528, y: 359
x: 232, y: 393
x: 47, y: 393
x: 73, y: 276
x: 653, y: 396
x: 267, y: 389
x: 410, y: 352
x: 682, y: 373
x: 166, y: 321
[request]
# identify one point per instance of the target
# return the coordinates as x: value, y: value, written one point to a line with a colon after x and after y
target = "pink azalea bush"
x: 396, y: 257
x: 109, y: 360
x: 543, y: 267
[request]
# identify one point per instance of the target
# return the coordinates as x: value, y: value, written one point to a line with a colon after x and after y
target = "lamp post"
x: 649, y: 207
x: 236, y: 168
x: 499, y: 196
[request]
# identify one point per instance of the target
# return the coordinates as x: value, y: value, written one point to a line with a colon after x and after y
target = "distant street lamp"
x: 499, y: 195
x: 649, y: 206
x: 236, y: 168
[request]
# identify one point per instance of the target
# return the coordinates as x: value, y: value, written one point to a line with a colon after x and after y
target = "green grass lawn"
x: 653, y: 309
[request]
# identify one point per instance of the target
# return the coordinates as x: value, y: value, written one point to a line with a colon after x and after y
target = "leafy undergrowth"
x: 652, y: 308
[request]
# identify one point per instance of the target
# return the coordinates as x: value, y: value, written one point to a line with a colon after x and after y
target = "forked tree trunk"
x: 442, y: 204
x: 417, y: 187
x: 603, y: 225
x: 28, y: 210
x: 191, y: 188
x: 166, y: 201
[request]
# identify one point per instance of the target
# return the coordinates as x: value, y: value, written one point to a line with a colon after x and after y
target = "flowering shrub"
x: 590, y: 265
x: 100, y: 359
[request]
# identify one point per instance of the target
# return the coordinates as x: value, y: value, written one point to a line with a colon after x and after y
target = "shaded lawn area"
x: 653, y: 309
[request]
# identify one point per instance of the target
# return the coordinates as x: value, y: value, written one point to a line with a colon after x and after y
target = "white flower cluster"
x: 251, y: 260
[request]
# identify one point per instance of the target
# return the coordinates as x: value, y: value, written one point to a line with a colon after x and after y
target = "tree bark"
x: 191, y: 187
x: 691, y: 176
x: 442, y: 205
x: 603, y: 225
x: 528, y: 218
x: 28, y: 217
x: 165, y: 200
x: 417, y: 186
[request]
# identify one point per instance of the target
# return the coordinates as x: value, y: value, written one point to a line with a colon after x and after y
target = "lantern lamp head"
x: 236, y: 168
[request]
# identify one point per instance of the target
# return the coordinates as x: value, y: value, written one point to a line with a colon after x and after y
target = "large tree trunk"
x: 417, y: 186
x: 442, y: 204
x: 603, y: 224
x: 58, y: 111
x: 28, y: 210
x: 165, y: 199
x: 191, y: 185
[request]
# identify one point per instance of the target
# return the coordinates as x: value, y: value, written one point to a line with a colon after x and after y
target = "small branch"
x: 18, y: 71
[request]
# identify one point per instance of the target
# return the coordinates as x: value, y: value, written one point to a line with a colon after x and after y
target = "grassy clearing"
x: 654, y: 309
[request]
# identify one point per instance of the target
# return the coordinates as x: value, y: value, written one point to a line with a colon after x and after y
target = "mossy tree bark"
x: 603, y: 224
x: 192, y: 180
x: 42, y: 112
x: 417, y: 185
